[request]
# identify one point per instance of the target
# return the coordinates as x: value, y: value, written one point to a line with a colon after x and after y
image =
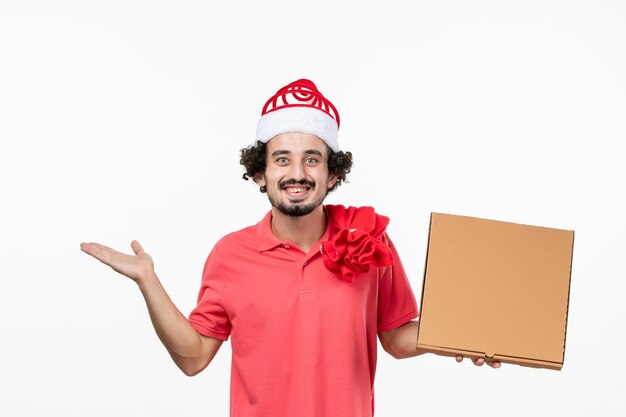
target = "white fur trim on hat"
x: 299, y: 119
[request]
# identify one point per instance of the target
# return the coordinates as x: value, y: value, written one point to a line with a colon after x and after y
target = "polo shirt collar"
x: 266, y: 238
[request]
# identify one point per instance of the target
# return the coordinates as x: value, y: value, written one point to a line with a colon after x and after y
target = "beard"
x: 296, y: 209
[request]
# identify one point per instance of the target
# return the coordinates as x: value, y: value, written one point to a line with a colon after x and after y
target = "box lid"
x: 496, y: 289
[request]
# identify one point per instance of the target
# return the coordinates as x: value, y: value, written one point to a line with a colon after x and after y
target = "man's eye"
x: 281, y: 160
x: 311, y: 160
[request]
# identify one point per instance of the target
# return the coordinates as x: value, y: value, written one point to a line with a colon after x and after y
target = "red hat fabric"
x: 299, y: 107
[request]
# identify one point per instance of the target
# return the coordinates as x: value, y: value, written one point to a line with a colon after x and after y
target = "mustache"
x: 294, y: 182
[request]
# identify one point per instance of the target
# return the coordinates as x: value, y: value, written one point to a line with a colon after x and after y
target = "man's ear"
x: 259, y: 179
x: 331, y: 181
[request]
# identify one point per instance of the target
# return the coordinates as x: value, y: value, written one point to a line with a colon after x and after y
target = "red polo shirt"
x: 303, y: 340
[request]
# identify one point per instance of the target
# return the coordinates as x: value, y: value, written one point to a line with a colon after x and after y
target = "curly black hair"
x: 254, y: 160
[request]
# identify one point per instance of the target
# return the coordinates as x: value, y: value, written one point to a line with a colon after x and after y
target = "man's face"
x: 296, y: 174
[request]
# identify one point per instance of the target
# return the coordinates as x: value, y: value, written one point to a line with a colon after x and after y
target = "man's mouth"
x: 297, y: 190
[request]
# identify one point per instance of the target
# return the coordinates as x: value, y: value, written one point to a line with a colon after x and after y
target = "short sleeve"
x: 396, y: 301
x: 209, y: 317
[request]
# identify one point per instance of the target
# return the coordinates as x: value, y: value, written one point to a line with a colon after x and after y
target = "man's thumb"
x: 136, y: 247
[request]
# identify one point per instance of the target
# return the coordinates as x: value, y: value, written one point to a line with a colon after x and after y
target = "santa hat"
x: 299, y: 107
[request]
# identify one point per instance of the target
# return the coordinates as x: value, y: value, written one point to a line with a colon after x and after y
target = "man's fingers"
x: 98, y: 251
x: 106, y: 255
x: 481, y: 362
x: 478, y: 361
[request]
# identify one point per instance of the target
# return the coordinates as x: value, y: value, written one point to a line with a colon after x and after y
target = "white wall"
x: 123, y: 120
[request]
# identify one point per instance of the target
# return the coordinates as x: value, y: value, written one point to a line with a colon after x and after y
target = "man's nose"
x: 297, y: 171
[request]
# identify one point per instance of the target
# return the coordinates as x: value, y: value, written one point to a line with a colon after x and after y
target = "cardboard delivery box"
x: 496, y: 290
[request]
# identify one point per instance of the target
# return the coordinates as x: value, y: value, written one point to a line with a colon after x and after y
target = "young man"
x: 304, y: 293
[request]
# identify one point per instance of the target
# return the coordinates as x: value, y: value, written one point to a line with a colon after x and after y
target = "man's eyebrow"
x: 313, y: 152
x: 307, y: 152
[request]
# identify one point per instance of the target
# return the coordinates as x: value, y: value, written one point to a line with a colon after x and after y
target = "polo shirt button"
x: 305, y: 263
x: 286, y: 246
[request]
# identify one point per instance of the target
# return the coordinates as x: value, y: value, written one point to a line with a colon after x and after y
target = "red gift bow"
x: 356, y: 246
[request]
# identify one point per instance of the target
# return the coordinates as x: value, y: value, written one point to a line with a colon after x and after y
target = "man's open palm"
x: 135, y: 267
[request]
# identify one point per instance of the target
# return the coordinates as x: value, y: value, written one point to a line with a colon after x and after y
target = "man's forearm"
x: 403, y: 341
x: 172, y: 327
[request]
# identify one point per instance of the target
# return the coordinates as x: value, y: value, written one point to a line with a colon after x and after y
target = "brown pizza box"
x: 496, y: 290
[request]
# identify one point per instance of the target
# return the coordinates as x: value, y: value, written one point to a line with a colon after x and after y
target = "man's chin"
x: 296, y: 210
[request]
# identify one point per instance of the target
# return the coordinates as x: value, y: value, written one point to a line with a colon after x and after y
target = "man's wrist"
x: 417, y: 338
x: 147, y: 281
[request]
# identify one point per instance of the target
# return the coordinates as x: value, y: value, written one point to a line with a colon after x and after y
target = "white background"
x: 123, y: 120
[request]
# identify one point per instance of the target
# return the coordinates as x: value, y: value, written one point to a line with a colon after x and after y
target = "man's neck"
x: 302, y: 231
